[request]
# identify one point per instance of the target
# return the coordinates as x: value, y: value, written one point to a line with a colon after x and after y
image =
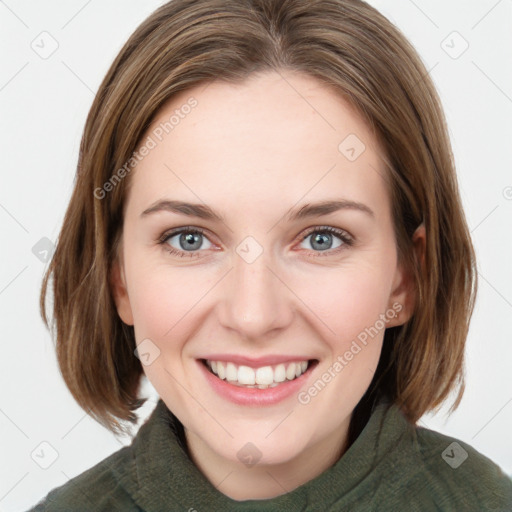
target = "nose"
x: 256, y: 304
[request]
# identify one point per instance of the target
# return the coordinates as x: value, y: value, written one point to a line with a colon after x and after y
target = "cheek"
x: 163, y: 310
x: 348, y: 306
x: 163, y: 299
x: 347, y: 301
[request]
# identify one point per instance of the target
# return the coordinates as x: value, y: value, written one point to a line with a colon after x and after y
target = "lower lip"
x: 255, y: 396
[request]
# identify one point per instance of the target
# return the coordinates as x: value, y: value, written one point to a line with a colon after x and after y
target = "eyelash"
x: 343, y: 235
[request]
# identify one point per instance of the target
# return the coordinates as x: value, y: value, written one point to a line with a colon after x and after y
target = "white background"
x: 44, y: 103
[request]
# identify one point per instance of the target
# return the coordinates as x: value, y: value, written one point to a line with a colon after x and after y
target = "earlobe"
x: 120, y: 293
x: 403, y: 296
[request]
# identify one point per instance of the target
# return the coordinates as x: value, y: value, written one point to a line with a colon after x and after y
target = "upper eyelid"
x: 330, y: 229
x: 178, y: 231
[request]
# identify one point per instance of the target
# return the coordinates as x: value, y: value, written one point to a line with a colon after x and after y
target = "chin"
x: 258, y: 446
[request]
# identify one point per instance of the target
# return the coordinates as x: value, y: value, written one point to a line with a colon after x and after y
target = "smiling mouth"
x: 264, y: 377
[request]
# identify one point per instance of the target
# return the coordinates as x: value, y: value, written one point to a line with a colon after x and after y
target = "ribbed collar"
x: 160, y: 476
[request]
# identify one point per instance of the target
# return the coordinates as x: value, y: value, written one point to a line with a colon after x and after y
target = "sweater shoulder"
x: 99, y: 488
x: 458, y: 474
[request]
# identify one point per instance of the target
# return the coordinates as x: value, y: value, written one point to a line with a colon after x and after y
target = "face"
x: 257, y: 283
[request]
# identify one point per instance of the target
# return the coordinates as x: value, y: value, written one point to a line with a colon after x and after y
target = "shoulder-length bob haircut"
x: 346, y: 44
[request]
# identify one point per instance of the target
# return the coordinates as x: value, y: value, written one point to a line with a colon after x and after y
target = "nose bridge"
x: 256, y: 302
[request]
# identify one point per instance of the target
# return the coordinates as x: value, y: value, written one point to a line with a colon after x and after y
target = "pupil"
x: 322, y: 239
x: 188, y: 240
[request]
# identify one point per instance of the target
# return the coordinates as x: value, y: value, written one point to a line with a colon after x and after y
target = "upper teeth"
x: 263, y: 377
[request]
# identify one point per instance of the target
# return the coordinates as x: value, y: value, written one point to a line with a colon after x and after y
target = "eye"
x: 322, y: 241
x: 187, y: 243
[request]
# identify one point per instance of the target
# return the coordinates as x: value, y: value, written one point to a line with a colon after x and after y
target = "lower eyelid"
x: 345, y: 244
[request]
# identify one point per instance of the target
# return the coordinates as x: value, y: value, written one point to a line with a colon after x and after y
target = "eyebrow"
x: 203, y: 211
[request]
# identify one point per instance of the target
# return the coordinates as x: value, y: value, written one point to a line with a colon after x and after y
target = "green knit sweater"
x: 391, y: 466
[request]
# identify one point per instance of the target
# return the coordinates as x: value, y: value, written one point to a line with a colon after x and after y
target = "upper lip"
x: 256, y: 362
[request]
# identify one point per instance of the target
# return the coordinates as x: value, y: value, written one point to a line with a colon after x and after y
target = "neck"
x: 261, y: 481
x: 240, y: 482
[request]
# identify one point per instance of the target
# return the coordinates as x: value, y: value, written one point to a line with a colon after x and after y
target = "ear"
x: 120, y: 293
x: 403, y: 295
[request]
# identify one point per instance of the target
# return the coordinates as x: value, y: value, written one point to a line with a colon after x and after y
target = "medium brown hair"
x: 347, y: 45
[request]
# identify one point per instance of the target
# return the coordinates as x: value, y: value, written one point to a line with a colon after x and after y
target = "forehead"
x: 274, y: 137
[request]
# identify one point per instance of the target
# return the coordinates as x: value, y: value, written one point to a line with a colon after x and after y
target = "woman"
x: 266, y: 224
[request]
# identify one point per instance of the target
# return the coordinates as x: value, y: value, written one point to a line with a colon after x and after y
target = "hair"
x: 348, y: 46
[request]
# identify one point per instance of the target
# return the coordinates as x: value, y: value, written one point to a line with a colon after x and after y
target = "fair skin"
x: 251, y: 152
